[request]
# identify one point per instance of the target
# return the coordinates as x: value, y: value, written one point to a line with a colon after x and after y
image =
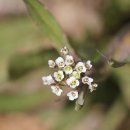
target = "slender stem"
x: 82, y: 94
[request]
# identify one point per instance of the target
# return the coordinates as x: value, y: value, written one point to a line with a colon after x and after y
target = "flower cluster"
x: 70, y: 74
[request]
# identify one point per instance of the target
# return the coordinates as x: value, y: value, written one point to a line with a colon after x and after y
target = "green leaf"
x: 47, y: 24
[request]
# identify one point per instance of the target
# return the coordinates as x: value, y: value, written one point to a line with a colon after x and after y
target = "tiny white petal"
x: 51, y: 63
x: 68, y: 69
x: 59, y: 76
x: 76, y: 74
x: 60, y: 62
x: 69, y: 60
x: 93, y: 87
x: 72, y: 82
x: 80, y: 67
x: 56, y: 90
x: 45, y: 82
x: 64, y: 51
x: 87, y: 80
x: 77, y: 83
x: 48, y: 80
x: 72, y: 95
x: 88, y: 65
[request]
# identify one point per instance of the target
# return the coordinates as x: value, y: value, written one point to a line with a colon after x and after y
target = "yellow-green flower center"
x: 68, y: 68
x: 59, y: 76
x: 73, y: 83
x: 76, y: 75
x: 80, y: 68
x: 86, y: 80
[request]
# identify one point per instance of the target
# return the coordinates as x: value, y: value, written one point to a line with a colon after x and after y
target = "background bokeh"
x: 94, y: 28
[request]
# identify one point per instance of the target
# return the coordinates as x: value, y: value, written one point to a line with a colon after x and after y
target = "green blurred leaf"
x: 124, y: 82
x: 115, y: 116
x: 20, y: 64
x: 47, y: 23
x: 23, y: 102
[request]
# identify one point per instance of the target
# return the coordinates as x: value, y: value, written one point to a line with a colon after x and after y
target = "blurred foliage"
x: 23, y: 63
x: 116, y: 15
x: 108, y: 91
x: 23, y: 102
x: 17, y: 35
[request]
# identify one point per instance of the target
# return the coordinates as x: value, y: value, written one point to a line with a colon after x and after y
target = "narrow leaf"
x: 47, y: 24
x: 80, y: 101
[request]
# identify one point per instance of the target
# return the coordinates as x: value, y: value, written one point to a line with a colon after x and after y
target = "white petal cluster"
x: 87, y: 80
x: 80, y: 67
x: 72, y: 82
x: 64, y: 51
x: 68, y: 69
x: 76, y: 74
x: 60, y: 62
x: 69, y: 60
x: 93, y: 87
x: 59, y: 75
x: 70, y: 74
x: 51, y: 64
x: 56, y: 90
x: 72, y: 95
x: 48, y: 80
x: 88, y: 65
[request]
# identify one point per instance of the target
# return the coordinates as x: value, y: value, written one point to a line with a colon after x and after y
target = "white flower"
x: 59, y: 75
x: 87, y: 80
x: 80, y: 67
x: 64, y: 51
x: 72, y: 95
x: 93, y: 87
x: 88, y: 65
x: 48, y: 80
x: 72, y: 82
x: 76, y: 74
x: 45, y: 82
x: 60, y: 62
x: 69, y: 60
x: 68, y: 69
x: 56, y: 90
x: 51, y: 64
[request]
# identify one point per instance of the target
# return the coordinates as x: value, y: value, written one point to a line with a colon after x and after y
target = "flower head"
x: 60, y: 62
x: 87, y: 80
x: 72, y: 95
x: 70, y: 73
x: 68, y: 69
x: 69, y: 60
x: 59, y: 76
x: 72, y: 82
x: 80, y: 67
x: 88, y: 65
x: 48, y: 80
x: 56, y: 90
x: 51, y: 64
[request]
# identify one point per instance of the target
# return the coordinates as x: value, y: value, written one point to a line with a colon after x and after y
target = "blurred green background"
x: 25, y: 104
